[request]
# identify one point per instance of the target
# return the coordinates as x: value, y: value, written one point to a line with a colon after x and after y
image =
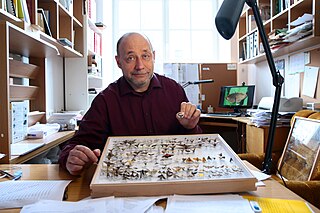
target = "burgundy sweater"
x: 120, y: 111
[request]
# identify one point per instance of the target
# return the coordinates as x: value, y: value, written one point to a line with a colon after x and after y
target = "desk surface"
x: 79, y: 188
x: 49, y: 142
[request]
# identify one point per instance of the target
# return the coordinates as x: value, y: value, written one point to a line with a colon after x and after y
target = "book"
x: 20, y: 13
x: 10, y: 7
x: 31, y: 6
x: 25, y: 11
x: 40, y: 21
x: 3, y: 5
x: 65, y: 42
x: 45, y: 22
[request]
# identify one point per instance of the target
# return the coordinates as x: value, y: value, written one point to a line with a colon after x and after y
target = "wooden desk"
x: 227, y: 127
x: 242, y: 135
x: 50, y: 142
x: 79, y: 188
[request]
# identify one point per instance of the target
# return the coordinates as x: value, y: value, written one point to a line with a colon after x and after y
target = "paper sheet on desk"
x: 15, y: 194
x: 93, y: 206
x: 272, y: 205
x: 206, y: 204
x: 260, y: 177
x: 111, y: 204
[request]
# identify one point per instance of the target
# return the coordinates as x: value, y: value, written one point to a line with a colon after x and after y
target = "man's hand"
x: 80, y: 157
x: 189, y: 115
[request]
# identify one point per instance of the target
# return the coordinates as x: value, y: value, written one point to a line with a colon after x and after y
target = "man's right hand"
x: 80, y: 157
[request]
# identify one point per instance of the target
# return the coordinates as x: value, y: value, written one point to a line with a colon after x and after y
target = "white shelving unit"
x: 78, y: 79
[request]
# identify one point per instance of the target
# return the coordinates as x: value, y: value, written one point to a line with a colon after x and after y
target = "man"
x: 139, y: 103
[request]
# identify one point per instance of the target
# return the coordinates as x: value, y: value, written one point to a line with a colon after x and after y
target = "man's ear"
x: 118, y: 61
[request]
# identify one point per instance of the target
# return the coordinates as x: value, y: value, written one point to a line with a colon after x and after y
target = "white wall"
x: 260, y: 75
x: 105, y: 15
x: 54, y: 84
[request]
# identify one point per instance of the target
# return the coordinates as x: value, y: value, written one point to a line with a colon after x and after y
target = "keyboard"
x: 224, y: 114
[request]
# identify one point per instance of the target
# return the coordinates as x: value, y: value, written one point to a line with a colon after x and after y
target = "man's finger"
x: 88, y: 152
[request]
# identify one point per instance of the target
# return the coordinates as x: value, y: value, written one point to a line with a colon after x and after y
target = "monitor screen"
x: 236, y: 97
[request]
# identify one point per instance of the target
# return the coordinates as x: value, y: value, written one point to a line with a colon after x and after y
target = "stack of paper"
x: 263, y: 118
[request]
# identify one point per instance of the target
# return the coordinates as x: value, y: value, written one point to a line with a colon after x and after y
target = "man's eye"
x: 130, y: 58
x: 146, y: 57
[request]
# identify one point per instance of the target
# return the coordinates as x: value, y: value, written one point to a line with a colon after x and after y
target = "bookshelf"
x: 64, y: 22
x: 35, y: 51
x: 84, y: 75
x: 24, y: 50
x: 276, y: 17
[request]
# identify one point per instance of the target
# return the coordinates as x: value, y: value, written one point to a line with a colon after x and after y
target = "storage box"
x: 165, y: 165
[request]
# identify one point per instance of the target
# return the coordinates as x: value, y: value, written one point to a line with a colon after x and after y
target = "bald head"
x: 135, y: 58
x: 130, y: 35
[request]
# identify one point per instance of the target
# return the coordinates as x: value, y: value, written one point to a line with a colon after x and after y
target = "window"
x: 180, y: 30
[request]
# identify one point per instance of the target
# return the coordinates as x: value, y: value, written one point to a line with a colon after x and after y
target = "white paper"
x: 99, y: 205
x: 260, y: 175
x: 15, y: 194
x: 24, y: 148
x: 192, y: 91
x: 292, y: 85
x: 61, y: 118
x: 296, y: 63
x: 134, y: 204
x: 302, y: 19
x: 310, y: 81
x: 208, y: 203
x: 2, y: 155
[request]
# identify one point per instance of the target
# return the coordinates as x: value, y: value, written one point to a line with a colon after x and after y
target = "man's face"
x: 136, y: 60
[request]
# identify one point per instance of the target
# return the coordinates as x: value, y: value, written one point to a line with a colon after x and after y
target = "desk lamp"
x: 197, y: 82
x: 226, y: 21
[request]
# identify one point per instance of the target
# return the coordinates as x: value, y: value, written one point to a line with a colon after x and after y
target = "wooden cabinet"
x: 84, y: 75
x: 24, y: 50
x: 275, y: 18
x: 257, y: 137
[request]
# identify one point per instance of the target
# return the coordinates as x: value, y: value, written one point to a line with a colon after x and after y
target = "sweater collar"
x: 125, y: 87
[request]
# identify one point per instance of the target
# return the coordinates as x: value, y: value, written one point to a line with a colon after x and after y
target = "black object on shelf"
x: 226, y: 21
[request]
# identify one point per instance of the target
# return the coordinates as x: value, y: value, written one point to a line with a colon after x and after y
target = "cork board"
x: 223, y: 75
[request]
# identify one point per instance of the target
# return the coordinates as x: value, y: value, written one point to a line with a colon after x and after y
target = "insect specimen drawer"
x: 164, y: 165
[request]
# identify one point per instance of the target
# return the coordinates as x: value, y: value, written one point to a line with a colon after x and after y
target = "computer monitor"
x: 236, y: 97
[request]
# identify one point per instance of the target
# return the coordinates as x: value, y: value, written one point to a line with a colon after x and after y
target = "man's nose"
x: 139, y: 63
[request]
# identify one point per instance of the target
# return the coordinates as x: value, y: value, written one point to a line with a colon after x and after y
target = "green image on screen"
x: 236, y: 96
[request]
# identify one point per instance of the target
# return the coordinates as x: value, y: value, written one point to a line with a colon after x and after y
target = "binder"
x: 25, y: 11
x: 255, y: 43
x: 19, y: 10
x: 251, y: 45
x: 248, y: 47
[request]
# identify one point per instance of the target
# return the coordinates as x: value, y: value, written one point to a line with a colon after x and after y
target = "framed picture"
x: 166, y: 165
x: 301, y: 153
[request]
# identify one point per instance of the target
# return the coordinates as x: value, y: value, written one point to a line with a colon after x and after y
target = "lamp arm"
x: 277, y: 82
x: 186, y: 84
